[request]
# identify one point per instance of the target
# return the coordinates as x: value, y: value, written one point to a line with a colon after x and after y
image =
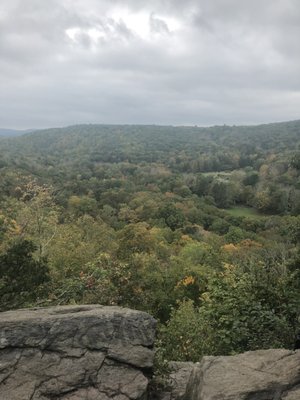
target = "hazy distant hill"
x: 182, y: 149
x: 123, y: 141
x: 13, y: 132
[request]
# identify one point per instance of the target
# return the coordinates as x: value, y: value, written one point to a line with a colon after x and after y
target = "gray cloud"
x: 158, y: 25
x: 164, y: 61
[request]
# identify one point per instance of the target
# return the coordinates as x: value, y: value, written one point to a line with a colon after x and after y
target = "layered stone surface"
x: 75, y: 352
x: 257, y: 375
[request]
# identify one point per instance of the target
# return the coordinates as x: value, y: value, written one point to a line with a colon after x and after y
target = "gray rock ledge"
x: 255, y: 375
x: 85, y: 352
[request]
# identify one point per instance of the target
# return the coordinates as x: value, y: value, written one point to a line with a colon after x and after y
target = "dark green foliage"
x: 172, y: 216
x: 219, y: 226
x: 236, y: 235
x: 222, y: 194
x: 201, y: 185
x: 240, y: 311
x: 21, y: 276
x: 251, y: 179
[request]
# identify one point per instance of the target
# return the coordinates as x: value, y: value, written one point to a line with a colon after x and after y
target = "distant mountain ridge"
x: 153, y: 143
x: 4, y: 132
x: 126, y: 128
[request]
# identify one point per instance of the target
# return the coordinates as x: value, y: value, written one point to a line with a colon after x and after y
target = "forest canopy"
x: 198, y: 226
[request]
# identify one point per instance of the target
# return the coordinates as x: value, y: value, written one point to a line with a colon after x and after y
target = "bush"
x: 240, y: 311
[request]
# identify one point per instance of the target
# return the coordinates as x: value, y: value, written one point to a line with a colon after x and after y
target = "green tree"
x: 222, y: 194
x: 172, y: 216
x: 251, y: 179
x: 21, y: 275
x: 37, y: 216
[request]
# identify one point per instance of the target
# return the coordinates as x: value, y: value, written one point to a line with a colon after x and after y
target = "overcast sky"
x: 194, y: 62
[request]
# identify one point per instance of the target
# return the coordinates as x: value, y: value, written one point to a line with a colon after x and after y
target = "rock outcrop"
x: 75, y: 353
x: 102, y: 353
x: 256, y: 375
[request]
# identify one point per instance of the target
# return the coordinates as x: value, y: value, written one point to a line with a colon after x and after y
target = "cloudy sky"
x: 194, y: 62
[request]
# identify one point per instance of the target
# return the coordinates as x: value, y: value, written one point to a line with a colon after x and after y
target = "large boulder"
x: 75, y: 353
x: 254, y: 375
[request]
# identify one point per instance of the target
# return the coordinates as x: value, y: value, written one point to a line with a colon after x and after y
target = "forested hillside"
x: 198, y: 226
